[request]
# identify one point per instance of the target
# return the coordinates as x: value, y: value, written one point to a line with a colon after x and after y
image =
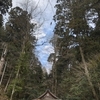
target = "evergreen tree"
x: 75, y: 44
x: 20, y: 42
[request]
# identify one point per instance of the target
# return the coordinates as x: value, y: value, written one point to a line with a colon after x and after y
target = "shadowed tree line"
x: 21, y: 74
x: 76, y: 58
x: 76, y: 61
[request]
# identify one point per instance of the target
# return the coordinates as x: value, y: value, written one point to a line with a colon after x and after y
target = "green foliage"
x: 73, y: 30
x: 5, y: 5
x: 24, y: 71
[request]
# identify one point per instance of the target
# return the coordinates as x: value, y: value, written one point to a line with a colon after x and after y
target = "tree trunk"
x: 18, y: 70
x: 3, y: 73
x: 14, y: 85
x: 87, y: 74
x: 7, y: 82
x: 54, y: 68
x: 2, y: 60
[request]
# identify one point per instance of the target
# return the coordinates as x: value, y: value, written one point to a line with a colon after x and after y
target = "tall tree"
x: 62, y: 17
x: 75, y: 40
x: 20, y: 46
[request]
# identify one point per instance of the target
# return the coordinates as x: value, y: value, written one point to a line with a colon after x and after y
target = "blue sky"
x: 45, y: 32
x: 47, y: 29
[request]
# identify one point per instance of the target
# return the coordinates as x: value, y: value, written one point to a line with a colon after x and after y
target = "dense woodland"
x: 75, y: 73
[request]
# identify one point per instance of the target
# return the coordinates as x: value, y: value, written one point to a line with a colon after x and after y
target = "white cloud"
x: 48, y: 49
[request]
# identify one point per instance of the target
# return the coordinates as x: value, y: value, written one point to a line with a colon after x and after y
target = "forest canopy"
x: 75, y: 62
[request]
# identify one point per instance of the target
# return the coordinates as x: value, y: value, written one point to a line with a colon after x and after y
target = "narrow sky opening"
x: 46, y: 11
